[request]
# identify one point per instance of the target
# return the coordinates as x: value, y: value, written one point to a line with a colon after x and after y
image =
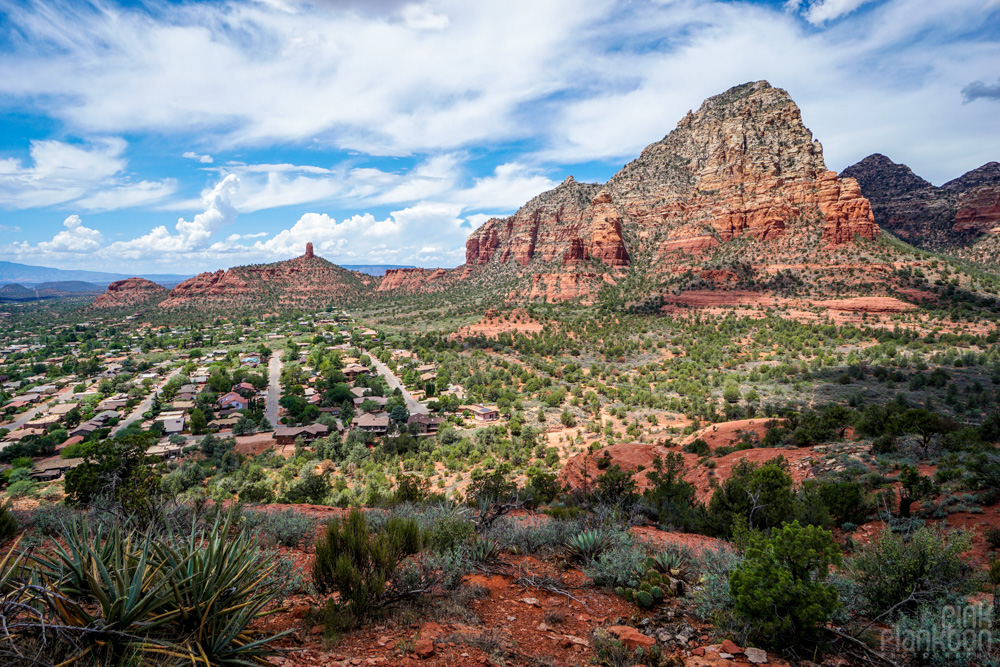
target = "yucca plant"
x: 219, y: 586
x: 588, y: 545
x: 112, y: 591
x: 129, y: 594
x: 484, y: 549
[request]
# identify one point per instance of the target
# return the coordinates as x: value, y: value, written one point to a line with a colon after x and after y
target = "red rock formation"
x: 743, y: 165
x: 410, y: 280
x: 306, y: 281
x: 130, y: 293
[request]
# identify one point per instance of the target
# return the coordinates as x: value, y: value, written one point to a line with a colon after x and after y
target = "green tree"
x: 760, y: 495
x: 118, y: 469
x: 198, y: 421
x: 780, y: 590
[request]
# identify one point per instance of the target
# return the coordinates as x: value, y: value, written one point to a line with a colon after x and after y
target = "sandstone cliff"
x: 743, y: 165
x: 131, y: 293
x: 952, y: 216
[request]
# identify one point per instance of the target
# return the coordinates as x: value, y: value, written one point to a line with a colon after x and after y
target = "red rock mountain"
x: 131, y: 293
x: 742, y: 166
x: 959, y: 214
x: 304, y: 282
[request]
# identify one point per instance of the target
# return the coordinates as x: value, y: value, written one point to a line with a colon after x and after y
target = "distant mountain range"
x: 27, y: 275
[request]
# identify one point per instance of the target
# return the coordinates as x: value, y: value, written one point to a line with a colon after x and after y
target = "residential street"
x: 146, y: 404
x: 273, y: 387
x: 413, y: 405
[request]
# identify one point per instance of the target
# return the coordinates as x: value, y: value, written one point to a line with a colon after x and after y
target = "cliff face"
x: 947, y: 217
x: 743, y: 165
x: 306, y: 281
x: 411, y: 280
x: 130, y: 293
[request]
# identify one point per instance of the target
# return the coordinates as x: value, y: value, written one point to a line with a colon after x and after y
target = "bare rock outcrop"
x: 743, y: 165
x: 130, y: 293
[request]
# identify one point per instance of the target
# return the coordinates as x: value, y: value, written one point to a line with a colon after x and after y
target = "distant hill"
x: 31, y: 276
x: 17, y: 292
x: 70, y: 287
x: 377, y: 270
x: 962, y: 215
x: 52, y: 290
x: 304, y: 282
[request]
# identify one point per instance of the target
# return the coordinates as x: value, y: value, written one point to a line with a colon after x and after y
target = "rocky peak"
x: 988, y: 174
x: 309, y: 251
x: 878, y: 176
x: 944, y: 217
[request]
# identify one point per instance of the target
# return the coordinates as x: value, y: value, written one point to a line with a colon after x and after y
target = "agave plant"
x: 670, y: 563
x: 588, y: 545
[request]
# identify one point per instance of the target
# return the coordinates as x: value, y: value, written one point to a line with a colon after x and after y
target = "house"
x: 113, y: 403
x: 354, y: 370
x: 53, y: 468
x: 484, y: 413
x: 173, y: 421
x: 286, y: 435
x: 244, y: 388
x: 359, y: 391
x: 63, y: 409
x: 425, y: 424
x: 377, y: 424
x: 232, y: 400
x: 380, y: 401
x: 370, y: 334
x: 85, y: 429
x: 165, y: 451
x: 223, y: 423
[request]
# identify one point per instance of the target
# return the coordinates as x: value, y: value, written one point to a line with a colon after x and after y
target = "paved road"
x: 413, y: 405
x: 147, y: 403
x: 25, y: 417
x: 273, y: 388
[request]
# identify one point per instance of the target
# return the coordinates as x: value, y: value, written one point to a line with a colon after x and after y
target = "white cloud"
x: 821, y: 11
x: 10, y: 228
x: 90, y: 175
x: 204, y: 159
x: 74, y: 239
x: 191, y: 236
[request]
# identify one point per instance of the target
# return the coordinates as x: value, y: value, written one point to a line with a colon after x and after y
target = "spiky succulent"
x: 588, y: 545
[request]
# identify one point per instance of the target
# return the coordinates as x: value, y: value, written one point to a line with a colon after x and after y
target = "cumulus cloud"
x: 192, y: 235
x: 977, y: 90
x: 204, y: 159
x: 75, y: 238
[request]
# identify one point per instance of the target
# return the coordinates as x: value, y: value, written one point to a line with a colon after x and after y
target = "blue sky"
x: 185, y: 136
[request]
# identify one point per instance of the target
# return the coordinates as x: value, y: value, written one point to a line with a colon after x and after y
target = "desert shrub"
x: 8, y: 523
x: 896, y: 574
x: 699, y: 447
x: 992, y: 537
x: 671, y: 497
x: 713, y: 599
x: 618, y: 566
x: 947, y: 637
x: 289, y: 528
x: 530, y: 537
x: 542, y: 487
x: 780, y: 590
x: 360, y: 565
